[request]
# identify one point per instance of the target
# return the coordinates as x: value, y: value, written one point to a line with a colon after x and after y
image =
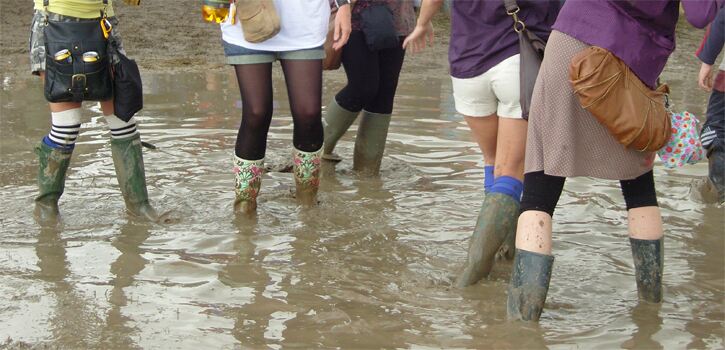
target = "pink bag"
x: 684, y: 146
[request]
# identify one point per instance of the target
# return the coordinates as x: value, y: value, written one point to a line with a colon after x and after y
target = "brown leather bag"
x: 632, y: 112
x: 259, y: 19
x: 333, y: 58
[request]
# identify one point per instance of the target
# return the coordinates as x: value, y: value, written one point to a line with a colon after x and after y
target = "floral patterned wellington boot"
x: 307, y: 176
x: 247, y: 181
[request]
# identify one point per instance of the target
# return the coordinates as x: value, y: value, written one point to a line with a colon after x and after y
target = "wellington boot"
x: 337, y: 121
x: 648, y: 258
x: 247, y: 183
x: 307, y: 176
x: 128, y: 161
x: 529, y: 285
x: 372, y: 134
x: 496, y: 221
x: 716, y: 165
x: 52, y: 166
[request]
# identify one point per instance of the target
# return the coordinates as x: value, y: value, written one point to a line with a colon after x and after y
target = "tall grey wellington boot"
x: 52, y: 166
x: 337, y: 121
x: 529, y: 285
x: 372, y: 134
x: 496, y: 222
x: 648, y: 258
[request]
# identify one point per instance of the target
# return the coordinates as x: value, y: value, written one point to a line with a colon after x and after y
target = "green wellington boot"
x: 648, y: 258
x: 496, y: 221
x: 307, y: 176
x: 529, y: 285
x: 370, y: 142
x: 52, y: 165
x: 128, y: 161
x: 337, y: 121
x: 247, y: 182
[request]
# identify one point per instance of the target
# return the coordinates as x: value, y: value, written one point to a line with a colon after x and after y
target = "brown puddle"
x: 371, y: 267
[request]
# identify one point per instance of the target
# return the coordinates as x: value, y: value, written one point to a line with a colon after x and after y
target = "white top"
x: 303, y: 25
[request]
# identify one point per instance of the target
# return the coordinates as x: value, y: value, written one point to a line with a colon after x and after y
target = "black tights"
x: 304, y: 89
x: 542, y: 192
x: 372, y: 76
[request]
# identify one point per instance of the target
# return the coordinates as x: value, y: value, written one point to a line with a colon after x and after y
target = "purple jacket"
x: 640, y: 32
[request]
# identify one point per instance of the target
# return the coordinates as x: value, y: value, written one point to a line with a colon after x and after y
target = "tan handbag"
x: 259, y: 19
x: 333, y: 58
x: 632, y: 112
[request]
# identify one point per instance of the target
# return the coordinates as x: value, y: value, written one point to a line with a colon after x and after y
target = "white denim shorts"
x: 494, y: 91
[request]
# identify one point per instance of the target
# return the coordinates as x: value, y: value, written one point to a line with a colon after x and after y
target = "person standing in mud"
x: 713, y: 132
x: 372, y: 70
x: 565, y: 140
x: 298, y: 47
x: 54, y: 151
x: 484, y: 66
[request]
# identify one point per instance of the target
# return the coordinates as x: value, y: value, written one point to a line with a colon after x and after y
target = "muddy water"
x: 371, y: 267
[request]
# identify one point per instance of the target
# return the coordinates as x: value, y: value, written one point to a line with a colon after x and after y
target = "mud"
x: 372, y: 266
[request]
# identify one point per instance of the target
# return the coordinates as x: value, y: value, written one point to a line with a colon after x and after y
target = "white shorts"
x: 495, y: 91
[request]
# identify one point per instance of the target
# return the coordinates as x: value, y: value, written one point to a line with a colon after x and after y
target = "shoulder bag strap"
x: 512, y: 9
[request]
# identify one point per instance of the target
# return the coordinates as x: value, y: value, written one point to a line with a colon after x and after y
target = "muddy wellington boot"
x: 648, y: 258
x: 529, y: 285
x: 496, y: 222
x: 307, y: 176
x: 128, y: 161
x: 337, y: 121
x: 716, y: 171
x: 247, y: 182
x: 52, y: 166
x: 370, y: 142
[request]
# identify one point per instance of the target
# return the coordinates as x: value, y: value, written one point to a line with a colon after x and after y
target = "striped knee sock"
x: 119, y: 128
x: 64, y: 130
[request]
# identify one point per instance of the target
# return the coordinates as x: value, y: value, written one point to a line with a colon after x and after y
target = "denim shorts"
x: 241, y: 55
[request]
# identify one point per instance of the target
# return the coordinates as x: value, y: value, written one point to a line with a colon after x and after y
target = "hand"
x: 421, y: 36
x: 704, y: 78
x: 342, y: 27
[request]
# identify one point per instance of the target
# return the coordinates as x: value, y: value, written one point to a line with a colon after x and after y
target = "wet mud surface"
x: 372, y: 266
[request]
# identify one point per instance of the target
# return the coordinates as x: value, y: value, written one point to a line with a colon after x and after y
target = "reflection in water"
x: 73, y: 322
x: 648, y: 321
x: 118, y: 329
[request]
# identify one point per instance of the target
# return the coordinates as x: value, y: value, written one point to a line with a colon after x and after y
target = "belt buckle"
x: 78, y: 80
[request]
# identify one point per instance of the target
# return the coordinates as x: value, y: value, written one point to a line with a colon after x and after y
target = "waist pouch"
x: 70, y: 79
x: 632, y: 112
x: 378, y: 26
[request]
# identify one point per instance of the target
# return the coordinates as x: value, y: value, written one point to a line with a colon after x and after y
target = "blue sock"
x: 509, y: 186
x: 487, y: 178
x: 52, y: 144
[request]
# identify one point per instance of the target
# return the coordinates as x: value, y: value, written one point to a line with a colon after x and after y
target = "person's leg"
x: 485, y: 132
x: 713, y: 140
x: 533, y: 261
x: 495, y: 231
x: 304, y: 87
x: 646, y: 235
x: 127, y: 154
x: 372, y: 132
x: 475, y: 100
x: 255, y: 86
x: 54, y: 155
x: 361, y: 69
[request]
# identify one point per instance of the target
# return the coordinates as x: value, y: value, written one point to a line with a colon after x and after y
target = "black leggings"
x: 304, y: 89
x: 542, y: 192
x: 372, y: 76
